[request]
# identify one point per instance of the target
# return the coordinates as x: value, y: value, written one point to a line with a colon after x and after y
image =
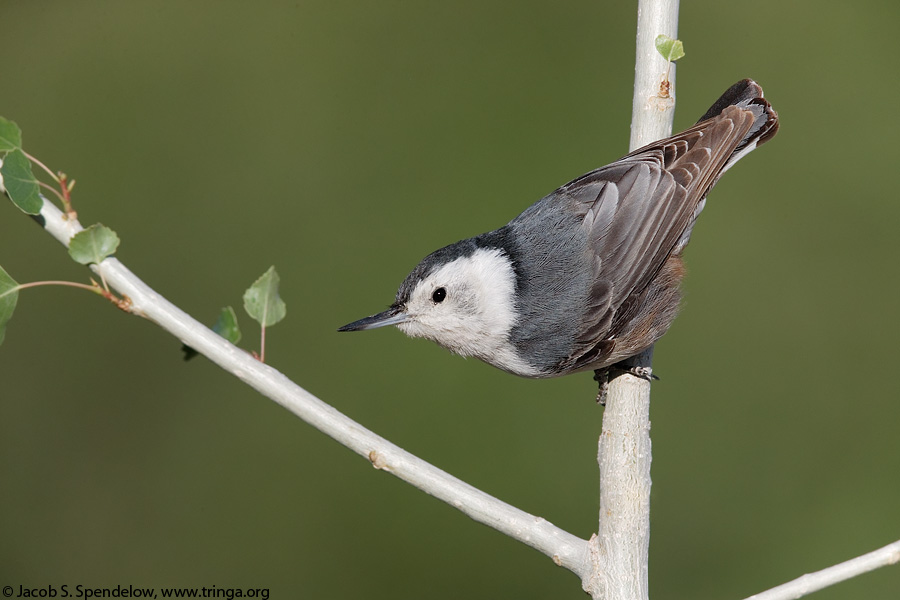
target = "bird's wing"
x: 638, y: 211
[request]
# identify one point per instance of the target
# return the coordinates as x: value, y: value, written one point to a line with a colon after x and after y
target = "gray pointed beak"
x: 391, y: 316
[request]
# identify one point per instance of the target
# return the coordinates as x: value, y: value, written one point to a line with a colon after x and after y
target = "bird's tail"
x: 746, y: 94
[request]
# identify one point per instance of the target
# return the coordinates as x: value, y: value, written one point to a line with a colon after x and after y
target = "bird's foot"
x: 642, y: 372
x: 602, y: 377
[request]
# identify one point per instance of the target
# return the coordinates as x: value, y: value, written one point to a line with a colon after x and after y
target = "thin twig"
x: 124, y: 303
x: 813, y: 582
x: 74, y: 284
x: 41, y: 165
x: 53, y: 190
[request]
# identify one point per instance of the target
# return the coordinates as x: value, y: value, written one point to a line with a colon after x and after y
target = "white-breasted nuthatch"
x: 589, y: 275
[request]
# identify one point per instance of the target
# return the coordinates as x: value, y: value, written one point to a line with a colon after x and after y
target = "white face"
x: 468, y: 307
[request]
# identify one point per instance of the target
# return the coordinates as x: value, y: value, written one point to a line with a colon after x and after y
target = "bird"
x: 588, y: 276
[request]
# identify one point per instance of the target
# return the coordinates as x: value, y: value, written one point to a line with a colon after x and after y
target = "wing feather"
x: 640, y: 210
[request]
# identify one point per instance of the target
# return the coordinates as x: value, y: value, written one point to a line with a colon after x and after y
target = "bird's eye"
x: 439, y: 295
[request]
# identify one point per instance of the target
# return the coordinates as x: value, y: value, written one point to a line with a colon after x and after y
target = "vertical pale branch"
x: 620, y: 550
x: 651, y: 114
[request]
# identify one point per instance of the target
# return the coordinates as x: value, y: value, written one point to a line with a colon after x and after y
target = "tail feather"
x: 746, y: 94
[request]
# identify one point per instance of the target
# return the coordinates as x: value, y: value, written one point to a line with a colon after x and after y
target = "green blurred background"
x: 342, y: 141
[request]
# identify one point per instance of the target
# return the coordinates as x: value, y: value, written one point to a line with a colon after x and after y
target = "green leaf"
x: 93, y: 244
x: 10, y: 135
x: 670, y: 49
x: 21, y: 186
x: 261, y: 300
x: 227, y: 326
x: 9, y: 295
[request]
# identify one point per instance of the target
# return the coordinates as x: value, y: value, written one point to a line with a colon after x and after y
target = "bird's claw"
x: 602, y: 377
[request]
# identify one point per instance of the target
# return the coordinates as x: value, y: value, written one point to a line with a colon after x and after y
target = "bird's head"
x: 463, y: 297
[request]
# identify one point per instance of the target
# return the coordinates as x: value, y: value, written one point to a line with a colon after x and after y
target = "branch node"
x: 378, y: 460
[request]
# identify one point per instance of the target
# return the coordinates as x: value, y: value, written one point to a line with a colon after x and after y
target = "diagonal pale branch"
x: 813, y: 582
x: 563, y: 548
